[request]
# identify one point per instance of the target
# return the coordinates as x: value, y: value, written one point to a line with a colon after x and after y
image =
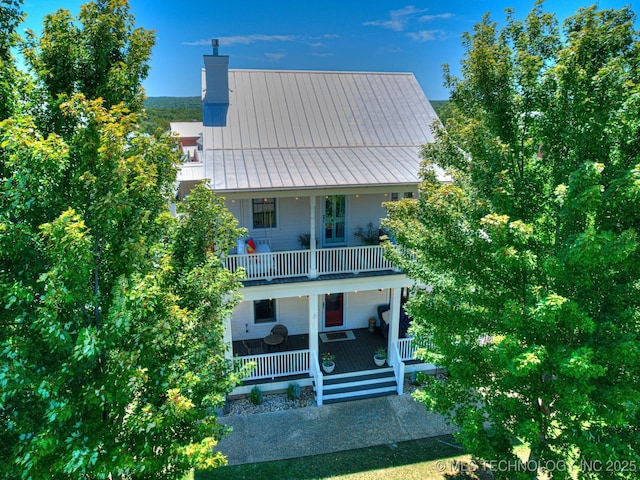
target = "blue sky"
x: 416, y: 36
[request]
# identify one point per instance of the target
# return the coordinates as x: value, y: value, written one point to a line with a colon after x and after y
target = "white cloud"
x: 398, y: 19
x: 425, y: 35
x: 318, y: 54
x: 274, y: 57
x: 428, y: 18
x: 245, y: 40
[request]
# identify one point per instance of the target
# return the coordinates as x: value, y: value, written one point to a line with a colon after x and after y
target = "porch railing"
x: 407, y: 348
x: 272, y: 365
x: 271, y: 265
x: 367, y: 258
x: 296, y: 263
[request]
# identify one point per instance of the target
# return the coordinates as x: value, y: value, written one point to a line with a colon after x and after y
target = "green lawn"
x: 436, y: 458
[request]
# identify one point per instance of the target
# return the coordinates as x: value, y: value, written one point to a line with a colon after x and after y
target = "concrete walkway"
x: 315, y: 430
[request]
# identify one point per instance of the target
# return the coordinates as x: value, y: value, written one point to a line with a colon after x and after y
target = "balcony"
x: 310, y: 263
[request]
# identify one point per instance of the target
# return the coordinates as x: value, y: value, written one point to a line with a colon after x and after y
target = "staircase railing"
x: 398, y: 366
x: 316, y: 373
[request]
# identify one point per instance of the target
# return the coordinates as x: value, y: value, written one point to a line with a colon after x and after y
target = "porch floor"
x: 351, y: 355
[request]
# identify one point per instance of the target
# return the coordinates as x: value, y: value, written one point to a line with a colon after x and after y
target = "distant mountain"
x: 163, y: 110
x: 173, y: 102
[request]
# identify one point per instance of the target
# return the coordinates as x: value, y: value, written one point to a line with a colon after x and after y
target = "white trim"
x: 275, y: 311
x: 345, y: 242
x: 320, y: 287
x: 276, y: 213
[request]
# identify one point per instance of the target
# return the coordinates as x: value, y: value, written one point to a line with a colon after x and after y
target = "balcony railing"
x: 296, y: 263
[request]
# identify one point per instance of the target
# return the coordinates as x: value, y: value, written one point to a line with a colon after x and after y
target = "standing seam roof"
x: 297, y: 129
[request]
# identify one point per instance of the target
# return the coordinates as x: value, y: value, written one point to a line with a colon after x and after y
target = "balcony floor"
x: 332, y: 276
x: 351, y: 355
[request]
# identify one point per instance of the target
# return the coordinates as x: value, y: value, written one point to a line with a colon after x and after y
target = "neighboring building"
x: 305, y: 160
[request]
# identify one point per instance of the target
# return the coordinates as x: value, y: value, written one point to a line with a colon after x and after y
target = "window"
x: 408, y: 194
x: 264, y: 311
x: 264, y: 212
x: 394, y: 196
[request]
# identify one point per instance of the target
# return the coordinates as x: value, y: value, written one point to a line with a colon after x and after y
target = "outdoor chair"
x: 280, y: 329
x: 253, y: 346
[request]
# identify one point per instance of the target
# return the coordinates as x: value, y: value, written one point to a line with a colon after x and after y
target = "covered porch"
x: 351, y: 355
x: 274, y: 370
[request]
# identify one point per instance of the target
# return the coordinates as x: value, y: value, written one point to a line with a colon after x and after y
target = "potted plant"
x: 380, y: 357
x: 328, y: 362
x: 304, y: 239
x: 370, y: 236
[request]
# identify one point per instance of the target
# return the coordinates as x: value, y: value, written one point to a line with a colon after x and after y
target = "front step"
x: 358, y: 385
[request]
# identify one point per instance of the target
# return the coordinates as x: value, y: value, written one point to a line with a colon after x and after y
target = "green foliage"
x: 370, y: 236
x: 381, y: 353
x: 159, y: 119
x: 174, y: 103
x: 442, y: 109
x: 161, y: 111
x: 327, y: 357
x: 533, y: 244
x: 255, y: 395
x: 101, y: 55
x: 112, y: 362
x: 293, y: 391
x: 10, y: 17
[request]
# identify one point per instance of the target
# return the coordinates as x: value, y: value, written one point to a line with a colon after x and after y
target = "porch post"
x: 394, y: 317
x: 227, y: 337
x: 313, y: 267
x: 313, y: 323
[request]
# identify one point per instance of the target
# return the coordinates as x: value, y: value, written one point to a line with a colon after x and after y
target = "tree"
x: 102, y: 55
x: 10, y: 18
x: 112, y: 360
x: 531, y: 251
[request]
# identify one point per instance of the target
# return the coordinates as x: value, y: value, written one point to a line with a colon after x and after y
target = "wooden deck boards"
x: 351, y: 355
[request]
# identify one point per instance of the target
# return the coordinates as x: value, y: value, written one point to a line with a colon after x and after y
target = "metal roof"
x: 186, y: 129
x: 308, y: 129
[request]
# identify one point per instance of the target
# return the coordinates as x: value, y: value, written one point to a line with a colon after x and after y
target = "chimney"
x: 215, y: 98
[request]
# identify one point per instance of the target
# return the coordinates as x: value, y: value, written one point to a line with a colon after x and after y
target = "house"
x: 305, y: 161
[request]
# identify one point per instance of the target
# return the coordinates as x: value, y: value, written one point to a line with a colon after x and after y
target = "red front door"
x: 333, y: 310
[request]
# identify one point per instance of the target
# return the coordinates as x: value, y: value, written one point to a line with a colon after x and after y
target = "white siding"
x: 294, y: 313
x: 363, y: 305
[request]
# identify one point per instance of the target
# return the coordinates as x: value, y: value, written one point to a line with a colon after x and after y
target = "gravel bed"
x: 271, y: 402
